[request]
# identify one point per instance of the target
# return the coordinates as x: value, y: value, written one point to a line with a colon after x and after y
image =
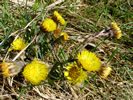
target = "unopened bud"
x: 10, y: 68
x: 104, y: 71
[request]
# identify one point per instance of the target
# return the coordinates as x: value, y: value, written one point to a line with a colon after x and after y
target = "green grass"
x: 84, y: 18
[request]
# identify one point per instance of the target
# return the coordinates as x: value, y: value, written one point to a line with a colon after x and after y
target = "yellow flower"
x: 10, y: 68
x: 48, y: 25
x: 18, y: 44
x: 74, y: 74
x: 89, y: 61
x: 104, y: 71
x: 116, y: 30
x: 35, y: 71
x: 65, y: 36
x: 58, y: 33
x: 59, y: 18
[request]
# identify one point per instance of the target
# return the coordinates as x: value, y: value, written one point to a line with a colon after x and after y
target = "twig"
x: 44, y: 95
x: 53, y: 4
x: 6, y: 55
x: 104, y: 32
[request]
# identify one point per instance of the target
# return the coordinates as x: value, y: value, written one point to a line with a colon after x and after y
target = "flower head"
x: 18, y: 44
x: 116, y: 30
x: 48, y: 25
x: 89, y: 61
x: 65, y: 36
x: 35, y: 71
x: 74, y: 74
x: 10, y: 68
x: 57, y: 32
x: 105, y: 71
x: 59, y: 18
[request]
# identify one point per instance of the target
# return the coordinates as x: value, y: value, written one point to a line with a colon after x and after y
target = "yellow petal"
x: 69, y: 67
x: 66, y: 74
x: 69, y: 78
x: 65, y: 36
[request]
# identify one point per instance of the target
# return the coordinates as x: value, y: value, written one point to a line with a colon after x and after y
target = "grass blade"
x: 93, y: 50
x: 112, y: 55
x: 28, y: 86
x: 87, y: 81
x: 9, y: 32
x: 5, y: 11
x: 124, y: 56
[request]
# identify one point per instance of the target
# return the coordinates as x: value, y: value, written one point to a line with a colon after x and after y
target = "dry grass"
x: 84, y: 18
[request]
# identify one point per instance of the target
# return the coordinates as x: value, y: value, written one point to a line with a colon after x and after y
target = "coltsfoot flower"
x: 104, y: 71
x: 59, y: 18
x: 10, y: 68
x: 89, y: 61
x: 35, y: 71
x: 48, y: 25
x: 65, y: 36
x: 116, y: 30
x: 18, y: 44
x: 57, y: 33
x: 75, y: 75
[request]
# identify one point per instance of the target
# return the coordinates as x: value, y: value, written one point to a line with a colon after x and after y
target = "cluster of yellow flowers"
x: 37, y: 70
x: 76, y: 73
x: 87, y: 61
x: 49, y: 25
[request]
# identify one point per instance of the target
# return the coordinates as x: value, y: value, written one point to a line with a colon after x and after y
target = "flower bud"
x: 104, y: 71
x: 57, y: 33
x: 10, y: 68
x: 116, y: 30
